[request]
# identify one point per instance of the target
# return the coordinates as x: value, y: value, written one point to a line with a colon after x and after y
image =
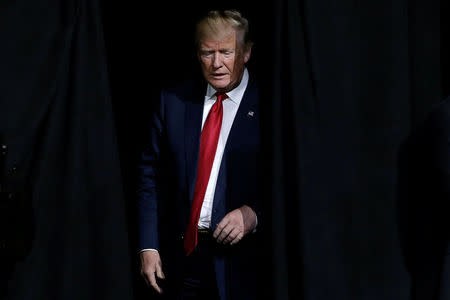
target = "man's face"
x: 222, y: 59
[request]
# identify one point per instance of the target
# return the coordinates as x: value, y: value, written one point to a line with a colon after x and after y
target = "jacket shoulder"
x: 185, y: 89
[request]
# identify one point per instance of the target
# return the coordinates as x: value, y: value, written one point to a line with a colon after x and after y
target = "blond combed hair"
x: 216, y: 19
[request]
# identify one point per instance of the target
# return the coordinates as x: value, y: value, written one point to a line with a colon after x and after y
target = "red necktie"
x: 208, y: 145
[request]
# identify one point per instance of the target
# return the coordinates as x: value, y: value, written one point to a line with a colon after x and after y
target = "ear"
x: 247, y: 53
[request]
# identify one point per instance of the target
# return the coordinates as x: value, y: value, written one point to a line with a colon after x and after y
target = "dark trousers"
x: 199, y: 275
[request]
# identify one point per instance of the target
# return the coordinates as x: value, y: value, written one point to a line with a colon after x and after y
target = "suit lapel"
x: 245, y: 119
x: 192, y: 127
x: 245, y: 124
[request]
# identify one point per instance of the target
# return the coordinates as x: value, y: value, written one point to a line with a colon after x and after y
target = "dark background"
x: 344, y: 84
x: 445, y: 47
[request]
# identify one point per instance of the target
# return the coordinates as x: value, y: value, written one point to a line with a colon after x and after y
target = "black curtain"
x: 350, y: 81
x: 57, y: 120
x: 445, y: 47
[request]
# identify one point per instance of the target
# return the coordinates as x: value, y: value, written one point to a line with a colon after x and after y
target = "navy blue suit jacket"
x: 168, y: 171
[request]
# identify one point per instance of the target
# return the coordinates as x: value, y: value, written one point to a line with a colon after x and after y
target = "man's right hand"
x: 151, y: 265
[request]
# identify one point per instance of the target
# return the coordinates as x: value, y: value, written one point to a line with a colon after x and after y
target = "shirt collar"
x: 235, y: 95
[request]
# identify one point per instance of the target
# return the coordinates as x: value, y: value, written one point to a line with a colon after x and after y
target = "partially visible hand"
x: 151, y: 264
x: 235, y: 225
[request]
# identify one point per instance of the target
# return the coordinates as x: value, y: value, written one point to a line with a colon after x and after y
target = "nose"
x: 217, y: 60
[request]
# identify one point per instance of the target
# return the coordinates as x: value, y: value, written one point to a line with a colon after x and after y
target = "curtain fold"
x: 348, y: 84
x: 56, y: 117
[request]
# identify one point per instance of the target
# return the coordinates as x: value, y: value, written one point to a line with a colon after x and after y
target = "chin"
x: 219, y: 85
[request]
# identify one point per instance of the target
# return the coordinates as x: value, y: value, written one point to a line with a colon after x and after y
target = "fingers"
x: 152, y: 280
x: 233, y: 237
x: 237, y: 238
x: 231, y: 229
x: 220, y: 227
x: 224, y: 236
x: 159, y: 272
x: 147, y: 281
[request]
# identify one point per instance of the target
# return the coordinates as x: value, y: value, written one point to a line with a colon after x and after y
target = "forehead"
x: 222, y: 40
x: 217, y: 33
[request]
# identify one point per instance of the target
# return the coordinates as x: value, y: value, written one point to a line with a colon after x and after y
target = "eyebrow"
x: 208, y: 50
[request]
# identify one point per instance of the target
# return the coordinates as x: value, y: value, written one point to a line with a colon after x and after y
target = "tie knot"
x: 221, y: 96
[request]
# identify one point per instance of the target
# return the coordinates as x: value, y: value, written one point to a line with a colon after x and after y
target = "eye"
x: 227, y: 53
x: 206, y: 53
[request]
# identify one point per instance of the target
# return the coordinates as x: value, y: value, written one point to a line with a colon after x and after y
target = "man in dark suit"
x: 199, y: 205
x: 425, y: 206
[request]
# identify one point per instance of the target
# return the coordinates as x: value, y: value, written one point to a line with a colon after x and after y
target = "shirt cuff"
x: 145, y: 250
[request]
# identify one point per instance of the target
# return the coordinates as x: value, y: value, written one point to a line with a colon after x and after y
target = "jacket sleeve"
x: 148, y: 177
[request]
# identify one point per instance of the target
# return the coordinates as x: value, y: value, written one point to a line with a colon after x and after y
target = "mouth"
x: 218, y: 75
